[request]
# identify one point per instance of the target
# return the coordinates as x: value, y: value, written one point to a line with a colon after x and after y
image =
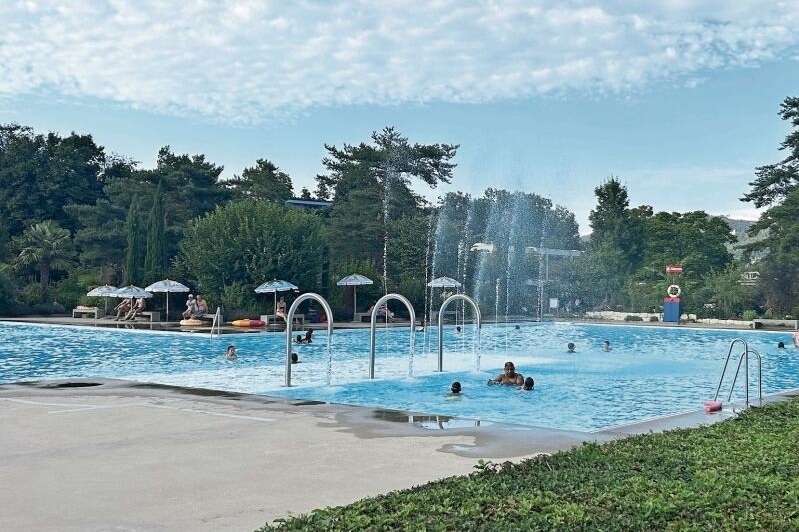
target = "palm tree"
x: 48, y: 247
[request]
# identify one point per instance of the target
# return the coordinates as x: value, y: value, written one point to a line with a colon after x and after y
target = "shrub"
x: 632, y: 317
x: 653, y: 318
x: 749, y: 315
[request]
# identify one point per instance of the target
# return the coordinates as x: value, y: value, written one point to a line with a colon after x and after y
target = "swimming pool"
x: 650, y: 371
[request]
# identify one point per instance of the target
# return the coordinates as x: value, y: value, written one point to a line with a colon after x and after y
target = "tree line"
x: 73, y: 216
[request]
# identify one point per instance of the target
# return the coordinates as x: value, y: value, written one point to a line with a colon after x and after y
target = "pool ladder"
x: 217, y: 323
x: 744, y: 358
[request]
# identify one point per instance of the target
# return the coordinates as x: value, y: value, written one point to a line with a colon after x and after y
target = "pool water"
x: 649, y: 372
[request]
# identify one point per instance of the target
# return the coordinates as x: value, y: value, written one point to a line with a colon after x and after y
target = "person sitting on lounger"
x: 202, y: 307
x: 280, y: 310
x: 136, y: 309
x: 191, y: 307
x: 123, y: 308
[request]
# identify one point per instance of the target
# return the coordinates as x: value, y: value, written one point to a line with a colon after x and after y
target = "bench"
x: 94, y: 312
x: 152, y: 315
x: 272, y: 319
x: 449, y: 316
x: 359, y: 317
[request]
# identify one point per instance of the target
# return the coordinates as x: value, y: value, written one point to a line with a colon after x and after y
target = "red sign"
x: 673, y: 268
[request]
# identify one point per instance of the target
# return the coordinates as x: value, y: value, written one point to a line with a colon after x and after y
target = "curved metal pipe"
x: 290, y: 321
x: 444, y: 306
x: 373, y: 325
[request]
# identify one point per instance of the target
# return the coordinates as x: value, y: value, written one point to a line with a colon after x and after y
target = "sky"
x: 677, y: 99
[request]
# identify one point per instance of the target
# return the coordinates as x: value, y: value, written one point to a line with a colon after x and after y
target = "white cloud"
x: 248, y: 61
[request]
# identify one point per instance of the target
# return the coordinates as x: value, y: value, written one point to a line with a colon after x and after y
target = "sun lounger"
x: 92, y: 312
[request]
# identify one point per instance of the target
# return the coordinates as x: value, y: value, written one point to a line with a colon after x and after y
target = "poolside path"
x: 90, y: 455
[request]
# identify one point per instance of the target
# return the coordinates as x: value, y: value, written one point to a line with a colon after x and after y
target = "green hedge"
x: 740, y: 474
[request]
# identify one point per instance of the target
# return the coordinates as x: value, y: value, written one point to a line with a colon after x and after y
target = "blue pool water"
x: 650, y: 371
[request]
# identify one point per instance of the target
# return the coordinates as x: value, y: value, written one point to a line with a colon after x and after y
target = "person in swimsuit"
x: 508, y: 377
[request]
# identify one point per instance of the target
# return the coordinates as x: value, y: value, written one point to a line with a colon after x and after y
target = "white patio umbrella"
x: 102, y: 291
x: 444, y: 282
x: 167, y: 285
x: 273, y: 287
x: 355, y: 280
x: 130, y: 291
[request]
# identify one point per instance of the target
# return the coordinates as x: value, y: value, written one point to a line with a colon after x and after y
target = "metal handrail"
x: 217, y: 322
x: 744, y: 359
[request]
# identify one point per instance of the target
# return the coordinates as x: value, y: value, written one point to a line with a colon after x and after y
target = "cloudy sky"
x: 676, y: 98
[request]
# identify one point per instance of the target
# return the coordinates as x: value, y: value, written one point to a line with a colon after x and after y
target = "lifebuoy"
x: 796, y: 339
x: 673, y: 290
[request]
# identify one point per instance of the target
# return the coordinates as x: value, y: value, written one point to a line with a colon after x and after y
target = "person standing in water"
x: 508, y: 377
x: 230, y: 354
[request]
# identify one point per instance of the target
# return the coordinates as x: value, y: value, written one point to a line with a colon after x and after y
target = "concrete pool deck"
x: 100, y: 454
x: 103, y: 454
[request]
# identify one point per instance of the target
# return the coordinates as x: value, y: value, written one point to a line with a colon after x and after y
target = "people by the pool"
x: 570, y: 347
x: 230, y: 354
x: 123, y: 307
x: 135, y: 309
x: 295, y: 358
x: 529, y: 384
x: 201, y: 309
x: 280, y: 310
x: 455, y: 391
x: 606, y: 345
x: 191, y: 307
x: 509, y: 376
x: 307, y: 339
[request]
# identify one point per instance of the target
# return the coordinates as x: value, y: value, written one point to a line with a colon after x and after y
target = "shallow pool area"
x: 649, y: 372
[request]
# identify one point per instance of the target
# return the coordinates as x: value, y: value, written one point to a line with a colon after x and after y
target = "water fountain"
x: 485, y: 242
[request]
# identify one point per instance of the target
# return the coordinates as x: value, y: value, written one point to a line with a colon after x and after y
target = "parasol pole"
x: 354, y: 301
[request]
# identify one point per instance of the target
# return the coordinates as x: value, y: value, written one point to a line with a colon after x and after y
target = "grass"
x: 739, y: 474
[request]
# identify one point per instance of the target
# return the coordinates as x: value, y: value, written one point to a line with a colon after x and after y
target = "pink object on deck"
x: 712, y: 406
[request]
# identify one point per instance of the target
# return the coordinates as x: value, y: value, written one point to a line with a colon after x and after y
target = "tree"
x: 135, y: 248
x: 725, y: 290
x: 190, y: 187
x: 155, y: 258
x: 39, y: 175
x: 777, y: 186
x: 238, y: 246
x: 371, y: 187
x: 616, y: 243
x: 47, y: 246
x: 264, y: 182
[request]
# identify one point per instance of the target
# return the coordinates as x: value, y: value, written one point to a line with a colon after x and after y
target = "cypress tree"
x: 155, y: 259
x: 133, y: 259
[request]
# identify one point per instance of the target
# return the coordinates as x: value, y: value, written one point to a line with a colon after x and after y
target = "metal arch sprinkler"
x: 290, y: 321
x: 444, y: 305
x: 373, y: 326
